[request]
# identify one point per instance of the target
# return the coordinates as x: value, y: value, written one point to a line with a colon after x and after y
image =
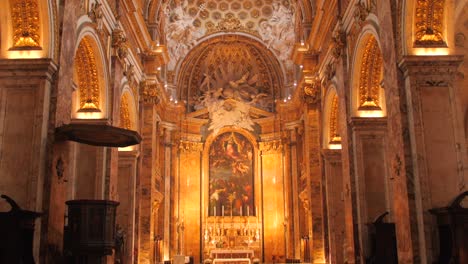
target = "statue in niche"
x: 278, y: 31
x: 181, y: 34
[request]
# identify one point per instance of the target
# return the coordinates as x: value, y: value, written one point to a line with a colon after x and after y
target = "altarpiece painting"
x: 231, y: 176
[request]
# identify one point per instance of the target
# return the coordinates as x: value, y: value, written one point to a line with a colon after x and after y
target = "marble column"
x: 25, y: 95
x: 169, y: 238
x: 314, y: 182
x: 436, y: 133
x: 189, y: 198
x: 293, y: 169
x: 272, y: 209
x: 145, y: 179
x: 371, y: 166
x: 335, y: 204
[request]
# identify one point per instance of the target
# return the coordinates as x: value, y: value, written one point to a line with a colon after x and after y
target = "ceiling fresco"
x: 187, y: 22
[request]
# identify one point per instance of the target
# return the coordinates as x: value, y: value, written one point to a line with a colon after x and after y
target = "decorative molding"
x: 87, y: 75
x: 339, y: 42
x: 119, y: 43
x: 429, y: 23
x: 360, y: 12
x: 431, y: 70
x: 26, y: 24
x: 271, y: 147
x: 95, y: 14
x: 312, y: 91
x: 230, y: 23
x: 190, y: 146
x: 150, y: 93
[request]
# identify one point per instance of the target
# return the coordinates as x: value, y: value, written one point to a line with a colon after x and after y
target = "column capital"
x: 431, y: 70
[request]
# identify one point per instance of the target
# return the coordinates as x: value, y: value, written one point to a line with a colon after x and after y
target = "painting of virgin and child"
x: 231, y: 171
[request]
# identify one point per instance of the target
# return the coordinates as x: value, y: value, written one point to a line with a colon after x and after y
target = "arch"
x: 128, y: 110
x: 90, y: 77
x: 331, y: 135
x: 245, y: 57
x: 367, y: 95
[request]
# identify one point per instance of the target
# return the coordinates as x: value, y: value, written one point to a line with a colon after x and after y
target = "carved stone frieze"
x: 431, y: 70
x: 269, y: 147
x: 190, y: 146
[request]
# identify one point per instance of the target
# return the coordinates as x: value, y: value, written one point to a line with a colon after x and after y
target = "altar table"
x: 231, y: 255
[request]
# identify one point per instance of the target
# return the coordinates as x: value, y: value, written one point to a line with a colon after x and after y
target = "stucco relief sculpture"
x: 181, y: 34
x: 278, y: 31
x: 228, y: 96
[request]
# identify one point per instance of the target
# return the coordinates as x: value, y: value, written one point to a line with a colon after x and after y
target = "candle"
x: 240, y: 210
x: 248, y: 212
x: 222, y: 210
x: 214, y: 209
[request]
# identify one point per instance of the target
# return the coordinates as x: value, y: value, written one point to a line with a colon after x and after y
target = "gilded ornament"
x: 429, y: 23
x: 87, y: 75
x: 334, y: 133
x: 125, y: 121
x: 26, y: 24
x: 370, y: 76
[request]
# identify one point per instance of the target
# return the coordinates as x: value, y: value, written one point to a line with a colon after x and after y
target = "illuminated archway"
x: 368, y: 98
x: 89, y: 101
x: 331, y: 131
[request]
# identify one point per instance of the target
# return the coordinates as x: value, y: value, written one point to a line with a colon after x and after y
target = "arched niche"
x: 331, y: 132
x: 128, y: 110
x: 230, y: 66
x: 27, y: 29
x: 367, y: 94
x: 90, y: 80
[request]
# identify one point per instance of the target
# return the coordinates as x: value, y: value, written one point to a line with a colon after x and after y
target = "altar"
x: 232, y: 255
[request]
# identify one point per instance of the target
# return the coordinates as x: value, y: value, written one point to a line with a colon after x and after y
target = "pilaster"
x: 436, y: 132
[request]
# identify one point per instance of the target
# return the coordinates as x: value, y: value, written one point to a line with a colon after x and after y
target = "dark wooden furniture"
x: 90, y: 233
x: 16, y: 234
x: 98, y: 135
x: 383, y: 239
x: 452, y: 224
